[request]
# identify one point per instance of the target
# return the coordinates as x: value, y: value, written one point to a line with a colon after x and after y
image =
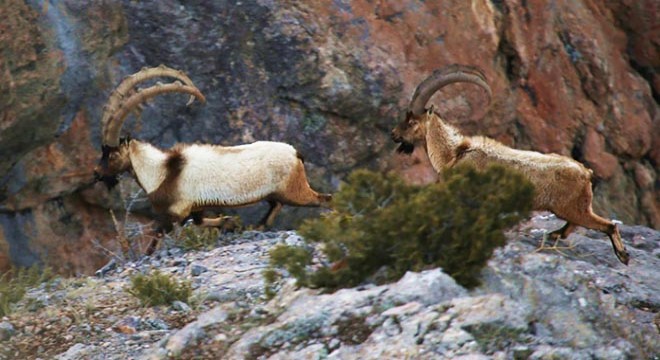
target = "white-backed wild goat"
x: 189, y: 178
x: 562, y: 185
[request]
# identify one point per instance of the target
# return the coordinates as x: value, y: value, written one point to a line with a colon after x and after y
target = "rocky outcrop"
x: 575, y: 77
x: 574, y: 302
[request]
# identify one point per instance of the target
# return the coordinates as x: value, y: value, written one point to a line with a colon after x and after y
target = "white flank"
x: 236, y: 176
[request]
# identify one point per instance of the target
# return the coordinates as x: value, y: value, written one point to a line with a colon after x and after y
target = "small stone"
x: 77, y: 351
x: 6, y: 330
x: 454, y: 338
x: 404, y: 310
x: 178, y: 262
x: 155, y: 324
x: 66, y: 321
x: 128, y: 325
x: 196, y: 269
x: 181, y: 306
x: 220, y: 338
x: 175, y: 251
x: 106, y: 268
x: 334, y: 344
x: 522, y: 352
x: 221, y: 296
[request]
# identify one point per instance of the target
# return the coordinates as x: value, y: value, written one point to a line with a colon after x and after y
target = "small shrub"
x: 159, y: 289
x: 199, y: 238
x: 15, y: 282
x: 382, y: 224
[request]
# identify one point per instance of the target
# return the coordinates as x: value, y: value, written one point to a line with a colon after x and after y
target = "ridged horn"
x: 443, y: 77
x: 115, y: 120
x: 126, y: 87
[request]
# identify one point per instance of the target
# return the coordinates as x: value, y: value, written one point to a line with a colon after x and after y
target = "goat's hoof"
x: 622, y: 256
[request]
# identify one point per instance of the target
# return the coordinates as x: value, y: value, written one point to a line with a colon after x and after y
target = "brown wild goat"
x: 189, y: 178
x: 562, y: 185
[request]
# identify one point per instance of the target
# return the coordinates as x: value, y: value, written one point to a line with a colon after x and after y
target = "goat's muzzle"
x: 110, y: 181
x: 405, y: 147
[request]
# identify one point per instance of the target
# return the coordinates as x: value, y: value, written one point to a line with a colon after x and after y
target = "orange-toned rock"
x: 604, y: 164
x: 575, y: 78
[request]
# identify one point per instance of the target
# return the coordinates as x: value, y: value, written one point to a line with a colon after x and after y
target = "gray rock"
x: 545, y: 352
x: 428, y: 288
x: 315, y: 351
x: 334, y: 344
x: 181, y: 306
x: 531, y: 305
x: 6, y: 330
x: 495, y: 321
x: 154, y: 324
x: 77, y: 352
x: 111, y: 265
x: 196, y: 269
x: 349, y: 314
x: 190, y: 333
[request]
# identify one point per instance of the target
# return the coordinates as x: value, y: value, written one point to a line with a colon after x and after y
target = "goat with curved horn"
x: 127, y: 87
x: 183, y: 181
x: 562, y: 185
x: 441, y: 78
x: 115, y: 120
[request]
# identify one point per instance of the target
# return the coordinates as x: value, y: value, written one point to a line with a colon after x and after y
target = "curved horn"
x: 443, y: 77
x: 125, y: 88
x: 115, y: 120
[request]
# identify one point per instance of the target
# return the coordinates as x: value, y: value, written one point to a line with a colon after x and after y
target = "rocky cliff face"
x: 574, y: 303
x: 577, y: 78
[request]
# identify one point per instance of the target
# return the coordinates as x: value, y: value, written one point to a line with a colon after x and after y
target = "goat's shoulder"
x: 485, y: 144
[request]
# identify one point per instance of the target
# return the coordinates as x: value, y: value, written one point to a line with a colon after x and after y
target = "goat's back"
x: 556, y: 178
x: 235, y: 175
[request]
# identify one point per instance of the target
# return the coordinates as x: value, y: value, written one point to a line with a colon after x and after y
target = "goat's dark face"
x: 409, y: 132
x: 114, y: 161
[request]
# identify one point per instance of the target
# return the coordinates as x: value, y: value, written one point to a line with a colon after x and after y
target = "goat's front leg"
x: 224, y: 223
x: 164, y: 226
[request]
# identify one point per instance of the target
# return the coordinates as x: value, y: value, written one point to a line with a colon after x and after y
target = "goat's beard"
x: 110, y: 181
x: 406, y: 148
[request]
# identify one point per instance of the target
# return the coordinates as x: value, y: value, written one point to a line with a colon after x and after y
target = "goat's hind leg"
x: 595, y: 222
x: 299, y: 193
x: 556, y: 236
x: 268, y: 219
x: 563, y: 232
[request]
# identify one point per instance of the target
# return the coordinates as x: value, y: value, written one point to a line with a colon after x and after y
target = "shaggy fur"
x: 189, y: 178
x: 562, y: 185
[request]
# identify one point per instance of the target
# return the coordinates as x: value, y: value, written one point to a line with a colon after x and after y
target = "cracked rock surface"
x: 573, y: 302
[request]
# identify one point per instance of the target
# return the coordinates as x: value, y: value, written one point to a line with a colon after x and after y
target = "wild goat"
x: 562, y: 185
x: 189, y: 178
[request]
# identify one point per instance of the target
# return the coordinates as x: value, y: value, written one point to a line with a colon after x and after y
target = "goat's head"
x: 115, y: 157
x: 409, y: 133
x: 114, y: 161
x: 412, y: 130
